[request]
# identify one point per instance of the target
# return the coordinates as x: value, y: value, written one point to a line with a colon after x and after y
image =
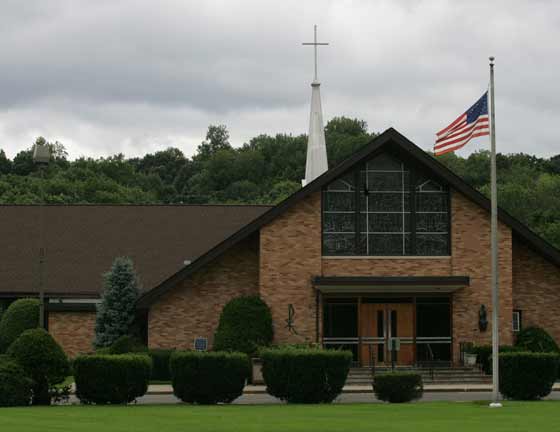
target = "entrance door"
x: 379, y: 323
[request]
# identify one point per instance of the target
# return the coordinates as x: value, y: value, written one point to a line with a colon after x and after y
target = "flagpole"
x: 494, y: 234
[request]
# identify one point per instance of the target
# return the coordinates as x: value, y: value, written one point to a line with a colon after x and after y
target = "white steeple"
x: 316, y: 163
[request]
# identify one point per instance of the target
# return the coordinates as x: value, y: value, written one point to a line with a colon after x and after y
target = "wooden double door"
x: 379, y: 323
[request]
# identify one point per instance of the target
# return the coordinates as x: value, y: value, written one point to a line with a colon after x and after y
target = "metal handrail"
x: 431, y: 353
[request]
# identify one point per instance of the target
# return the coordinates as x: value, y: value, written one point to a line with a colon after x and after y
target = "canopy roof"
x: 393, y: 284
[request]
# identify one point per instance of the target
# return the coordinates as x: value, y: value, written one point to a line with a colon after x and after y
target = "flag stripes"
x: 473, y: 123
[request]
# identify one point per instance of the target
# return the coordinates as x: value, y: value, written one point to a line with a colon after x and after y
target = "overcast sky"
x: 134, y: 76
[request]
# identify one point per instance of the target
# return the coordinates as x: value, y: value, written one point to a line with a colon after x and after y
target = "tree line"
x: 265, y: 170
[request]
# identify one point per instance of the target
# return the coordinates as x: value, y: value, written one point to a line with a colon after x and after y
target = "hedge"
x: 535, y: 339
x: 15, y: 385
x: 398, y: 387
x: 21, y: 315
x: 237, y: 333
x: 127, y: 344
x: 208, y: 377
x: 111, y: 379
x: 305, y: 375
x: 526, y: 375
x: 484, y: 355
x: 43, y: 360
x: 160, y: 363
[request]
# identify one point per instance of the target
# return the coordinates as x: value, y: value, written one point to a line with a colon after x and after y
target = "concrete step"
x: 434, y: 378
x: 436, y: 372
x: 427, y: 375
x: 440, y: 375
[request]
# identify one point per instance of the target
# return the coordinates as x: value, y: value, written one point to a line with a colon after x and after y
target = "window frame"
x: 413, y: 171
x: 519, y: 320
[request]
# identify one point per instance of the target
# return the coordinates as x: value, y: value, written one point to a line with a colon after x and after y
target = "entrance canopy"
x: 390, y: 284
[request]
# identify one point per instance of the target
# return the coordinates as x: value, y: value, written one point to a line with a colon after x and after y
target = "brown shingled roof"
x: 83, y: 240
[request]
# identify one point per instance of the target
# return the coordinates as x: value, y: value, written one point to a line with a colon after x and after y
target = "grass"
x: 421, y: 417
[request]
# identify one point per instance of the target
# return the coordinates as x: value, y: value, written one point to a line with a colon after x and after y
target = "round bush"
x: 160, y: 364
x: 21, y: 315
x: 208, y: 377
x: 535, y: 339
x: 527, y: 375
x: 15, y: 385
x: 398, y: 387
x: 42, y: 359
x: 111, y: 379
x: 484, y: 355
x: 305, y: 375
x: 127, y: 344
x: 238, y: 333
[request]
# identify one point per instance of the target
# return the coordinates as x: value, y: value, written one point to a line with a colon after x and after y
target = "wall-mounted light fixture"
x: 482, y: 318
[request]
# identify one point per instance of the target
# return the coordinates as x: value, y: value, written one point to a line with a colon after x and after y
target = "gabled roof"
x: 83, y: 240
x: 388, y: 140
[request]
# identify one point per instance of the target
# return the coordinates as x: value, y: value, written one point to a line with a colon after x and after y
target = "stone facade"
x: 193, y: 308
x: 74, y: 331
x: 536, y: 287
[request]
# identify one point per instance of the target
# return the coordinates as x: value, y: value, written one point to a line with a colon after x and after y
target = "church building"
x: 387, y: 248
x: 389, y: 244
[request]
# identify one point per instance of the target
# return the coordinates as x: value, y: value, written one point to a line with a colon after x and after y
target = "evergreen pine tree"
x: 116, y: 311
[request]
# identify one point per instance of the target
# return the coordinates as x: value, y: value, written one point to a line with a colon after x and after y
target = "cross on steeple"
x: 315, y: 45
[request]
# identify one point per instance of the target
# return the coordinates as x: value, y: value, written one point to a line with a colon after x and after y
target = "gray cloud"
x: 136, y: 76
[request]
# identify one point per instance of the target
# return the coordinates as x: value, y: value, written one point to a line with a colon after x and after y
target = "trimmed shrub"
x: 43, y: 360
x: 245, y: 326
x: 208, y: 377
x: 21, y: 315
x: 398, y: 387
x: 127, y: 344
x: 15, y: 385
x: 160, y: 364
x: 484, y: 355
x: 527, y: 375
x: 309, y: 375
x: 535, y: 339
x: 111, y: 379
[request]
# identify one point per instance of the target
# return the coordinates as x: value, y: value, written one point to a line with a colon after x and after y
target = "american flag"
x: 472, y: 124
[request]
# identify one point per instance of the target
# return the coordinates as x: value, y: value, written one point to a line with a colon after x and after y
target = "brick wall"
x: 74, y: 331
x: 290, y: 255
x: 471, y: 256
x: 387, y: 267
x: 536, y: 289
x: 193, y: 309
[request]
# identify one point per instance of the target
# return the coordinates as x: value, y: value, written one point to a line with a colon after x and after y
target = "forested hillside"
x: 264, y: 170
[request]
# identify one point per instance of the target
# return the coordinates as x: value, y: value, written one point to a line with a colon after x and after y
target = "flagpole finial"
x: 491, y: 58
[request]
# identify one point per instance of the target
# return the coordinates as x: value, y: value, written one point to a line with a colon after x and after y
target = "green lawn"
x: 454, y: 417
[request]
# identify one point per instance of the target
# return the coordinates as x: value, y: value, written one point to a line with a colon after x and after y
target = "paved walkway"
x: 265, y: 399
x: 256, y: 395
x: 165, y: 389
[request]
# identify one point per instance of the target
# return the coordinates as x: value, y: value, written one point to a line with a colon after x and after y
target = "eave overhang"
x: 390, y: 284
